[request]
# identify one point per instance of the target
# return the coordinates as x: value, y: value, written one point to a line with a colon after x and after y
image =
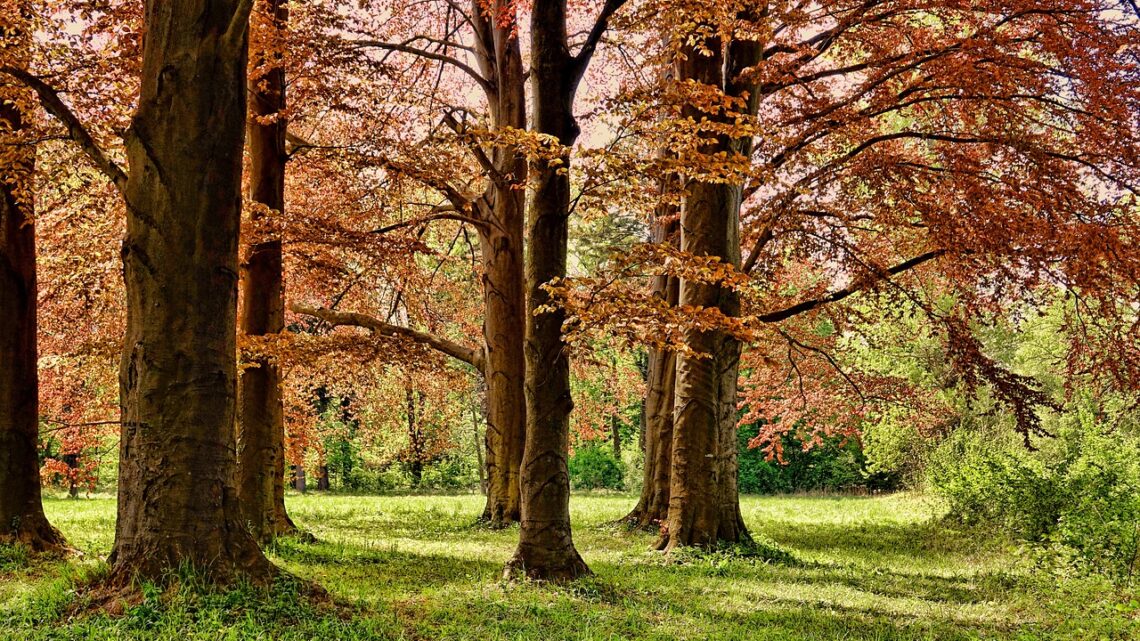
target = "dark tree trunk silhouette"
x: 653, y: 505
x: 178, y: 502
x: 261, y: 425
x: 22, y: 517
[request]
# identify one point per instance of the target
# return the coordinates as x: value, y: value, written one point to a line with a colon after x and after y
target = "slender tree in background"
x: 22, y: 517
x: 497, y: 215
x: 261, y: 425
x: 546, y: 548
x: 178, y: 502
x: 660, y: 378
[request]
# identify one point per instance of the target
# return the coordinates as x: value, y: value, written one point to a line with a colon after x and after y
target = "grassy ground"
x: 879, y: 568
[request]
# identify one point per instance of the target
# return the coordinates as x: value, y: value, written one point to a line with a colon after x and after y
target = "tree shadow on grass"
x: 389, y: 567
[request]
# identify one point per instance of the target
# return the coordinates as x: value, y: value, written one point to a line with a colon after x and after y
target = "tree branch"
x: 441, y: 214
x: 472, y: 356
x: 582, y: 59
x: 838, y: 295
x: 53, y: 104
x: 431, y: 55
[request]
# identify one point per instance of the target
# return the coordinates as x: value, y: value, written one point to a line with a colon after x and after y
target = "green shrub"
x: 1075, y: 503
x: 594, y: 467
x: 836, y: 465
x: 450, y: 473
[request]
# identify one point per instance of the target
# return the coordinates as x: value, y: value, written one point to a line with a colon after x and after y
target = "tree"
x: 497, y: 214
x: 261, y: 423
x: 982, y: 158
x: 22, y: 518
x: 704, y: 506
x: 178, y: 502
x: 546, y: 548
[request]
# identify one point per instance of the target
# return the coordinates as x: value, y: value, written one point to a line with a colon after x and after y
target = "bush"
x: 836, y: 465
x: 594, y: 468
x: 450, y: 473
x: 1075, y: 503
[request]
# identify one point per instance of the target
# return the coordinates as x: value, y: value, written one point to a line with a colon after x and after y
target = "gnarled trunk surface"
x: 261, y: 425
x: 178, y: 503
x: 22, y: 517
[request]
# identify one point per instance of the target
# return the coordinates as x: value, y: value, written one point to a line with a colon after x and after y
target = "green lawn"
x: 416, y: 568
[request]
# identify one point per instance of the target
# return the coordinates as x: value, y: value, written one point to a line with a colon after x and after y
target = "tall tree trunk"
x: 653, y: 505
x: 704, y: 505
x: 261, y: 425
x: 22, y: 517
x: 501, y: 247
x: 178, y: 503
x: 546, y: 549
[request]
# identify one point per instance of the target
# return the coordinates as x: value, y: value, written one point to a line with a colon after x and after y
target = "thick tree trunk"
x: 22, y: 517
x: 546, y: 549
x: 261, y: 425
x: 178, y: 503
x: 704, y: 505
x: 501, y: 246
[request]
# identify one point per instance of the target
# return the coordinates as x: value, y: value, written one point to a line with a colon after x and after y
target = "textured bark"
x: 546, y: 549
x: 22, y: 517
x: 653, y: 505
x: 501, y: 246
x: 178, y: 503
x: 704, y: 504
x: 261, y: 424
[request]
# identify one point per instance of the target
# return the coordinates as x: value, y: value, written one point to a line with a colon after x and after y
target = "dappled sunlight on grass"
x: 421, y: 568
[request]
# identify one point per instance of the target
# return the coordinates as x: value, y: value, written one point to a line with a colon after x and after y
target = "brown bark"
x: 546, y: 548
x: 261, y: 425
x: 704, y: 506
x: 178, y: 503
x: 299, y: 478
x: 501, y: 246
x: 653, y: 505
x: 22, y: 517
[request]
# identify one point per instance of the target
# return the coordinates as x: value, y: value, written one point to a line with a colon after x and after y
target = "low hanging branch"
x: 472, y: 356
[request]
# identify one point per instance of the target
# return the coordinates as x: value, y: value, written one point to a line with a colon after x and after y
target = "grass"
x: 876, y: 568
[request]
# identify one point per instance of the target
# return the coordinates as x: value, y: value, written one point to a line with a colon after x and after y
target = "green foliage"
x: 1075, y: 503
x: 836, y: 465
x: 450, y: 473
x: 593, y: 467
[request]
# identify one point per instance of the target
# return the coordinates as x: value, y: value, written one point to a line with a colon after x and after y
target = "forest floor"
x: 881, y: 568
